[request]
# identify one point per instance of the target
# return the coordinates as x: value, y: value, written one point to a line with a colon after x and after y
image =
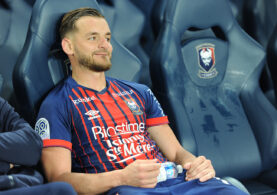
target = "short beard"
x: 89, y: 63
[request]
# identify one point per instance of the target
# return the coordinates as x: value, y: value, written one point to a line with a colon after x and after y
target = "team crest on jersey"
x: 206, y: 60
x: 134, y: 107
x: 42, y: 128
x: 93, y: 114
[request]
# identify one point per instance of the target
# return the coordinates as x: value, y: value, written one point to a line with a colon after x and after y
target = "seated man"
x: 20, y: 150
x: 103, y: 134
x: 19, y: 145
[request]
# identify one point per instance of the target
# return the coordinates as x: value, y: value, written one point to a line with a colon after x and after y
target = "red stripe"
x: 80, y: 143
x: 213, y: 57
x: 112, y: 109
x: 143, y: 104
x: 105, y: 116
x: 116, y: 112
x: 86, y: 130
x: 157, y: 121
x: 162, y: 120
x: 140, y: 100
x: 138, y: 118
x: 126, y: 109
x: 129, y: 111
x: 57, y: 143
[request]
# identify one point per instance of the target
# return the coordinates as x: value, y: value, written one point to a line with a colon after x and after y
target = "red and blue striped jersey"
x: 105, y: 130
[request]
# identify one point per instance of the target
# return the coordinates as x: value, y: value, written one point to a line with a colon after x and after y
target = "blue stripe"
x: 115, y: 124
x: 95, y: 143
x: 86, y: 161
x: 119, y: 87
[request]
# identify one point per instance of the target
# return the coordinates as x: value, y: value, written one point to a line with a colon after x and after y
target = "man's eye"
x: 92, y: 38
x: 108, y: 39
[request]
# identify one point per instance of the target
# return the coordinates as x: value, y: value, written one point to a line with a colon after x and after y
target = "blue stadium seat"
x: 157, y: 16
x: 1, y: 83
x: 237, y: 7
x: 259, y: 20
x: 127, y: 23
x: 14, y: 18
x: 205, y: 71
x: 271, y: 62
x: 42, y: 64
x: 158, y: 10
x: 147, y: 38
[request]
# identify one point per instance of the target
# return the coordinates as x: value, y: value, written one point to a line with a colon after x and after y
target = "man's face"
x: 206, y: 56
x: 91, y: 42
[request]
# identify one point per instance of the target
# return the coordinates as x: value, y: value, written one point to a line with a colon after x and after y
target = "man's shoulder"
x: 135, y: 86
x: 58, y: 93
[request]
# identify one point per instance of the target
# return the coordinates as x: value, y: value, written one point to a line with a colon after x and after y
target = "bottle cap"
x: 179, y: 168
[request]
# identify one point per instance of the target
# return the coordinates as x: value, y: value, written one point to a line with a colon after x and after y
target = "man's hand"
x: 199, y: 168
x: 141, y: 173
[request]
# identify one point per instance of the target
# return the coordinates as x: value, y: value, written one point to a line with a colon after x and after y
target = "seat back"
x: 42, y: 64
x: 272, y: 61
x: 237, y: 7
x: 147, y: 39
x: 157, y: 16
x: 205, y: 70
x: 259, y: 20
x: 1, y: 83
x: 119, y: 14
x: 14, y: 17
x: 159, y: 7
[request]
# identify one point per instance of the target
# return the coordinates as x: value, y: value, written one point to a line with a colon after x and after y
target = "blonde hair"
x: 70, y: 18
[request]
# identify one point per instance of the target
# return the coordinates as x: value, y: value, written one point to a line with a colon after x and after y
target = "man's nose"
x: 104, y: 43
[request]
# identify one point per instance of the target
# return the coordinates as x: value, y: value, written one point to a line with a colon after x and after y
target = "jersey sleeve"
x: 154, y: 112
x: 53, y: 123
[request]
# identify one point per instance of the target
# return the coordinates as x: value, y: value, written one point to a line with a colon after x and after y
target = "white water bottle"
x: 169, y: 170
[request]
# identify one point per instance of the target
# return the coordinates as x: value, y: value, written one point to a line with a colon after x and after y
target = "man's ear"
x: 67, y: 46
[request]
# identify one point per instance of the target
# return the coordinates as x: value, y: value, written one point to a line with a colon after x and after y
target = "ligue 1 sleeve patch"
x: 42, y: 128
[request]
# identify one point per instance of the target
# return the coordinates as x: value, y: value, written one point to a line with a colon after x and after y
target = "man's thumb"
x: 187, y: 166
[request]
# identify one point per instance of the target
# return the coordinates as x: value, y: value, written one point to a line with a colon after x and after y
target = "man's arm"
x: 197, y: 167
x: 57, y: 167
x: 19, y: 143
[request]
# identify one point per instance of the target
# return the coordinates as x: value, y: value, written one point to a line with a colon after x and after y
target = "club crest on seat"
x: 206, y: 60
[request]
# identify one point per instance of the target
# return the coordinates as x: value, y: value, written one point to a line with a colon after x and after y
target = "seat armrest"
x: 269, y: 178
x: 236, y: 183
